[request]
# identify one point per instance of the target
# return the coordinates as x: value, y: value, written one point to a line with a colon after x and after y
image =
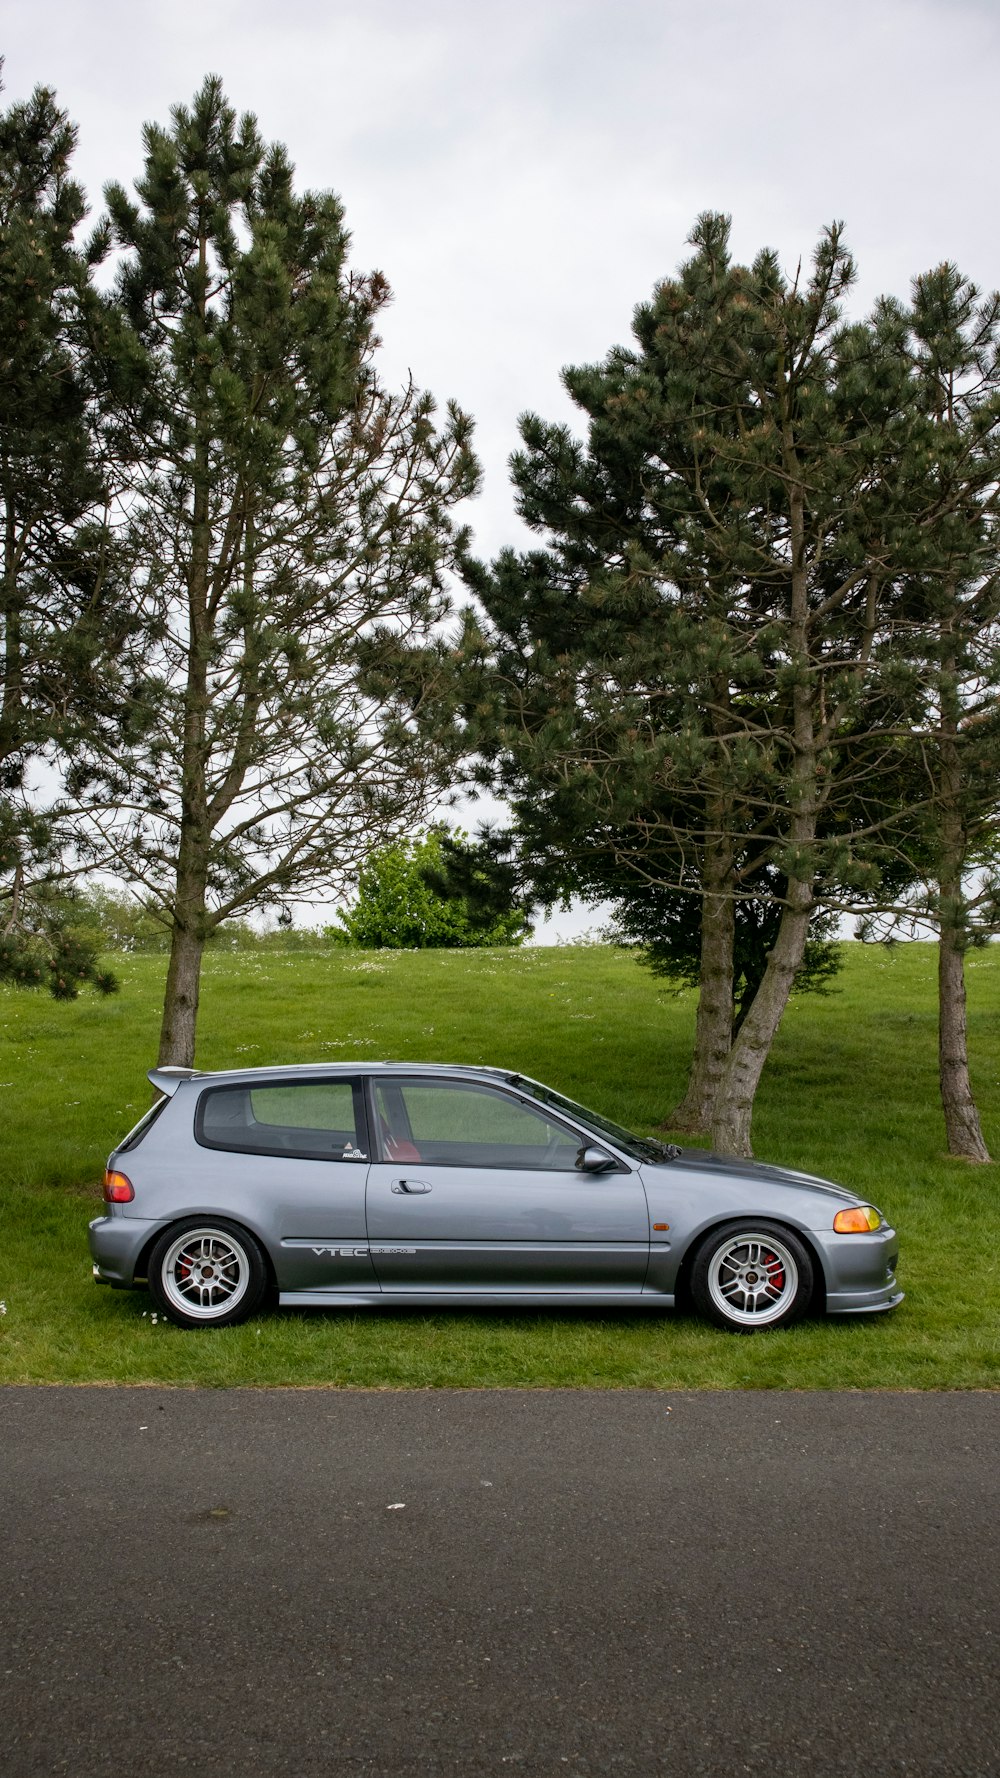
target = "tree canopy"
x: 706, y: 680
x: 289, y: 522
x: 744, y: 684
x: 64, y: 607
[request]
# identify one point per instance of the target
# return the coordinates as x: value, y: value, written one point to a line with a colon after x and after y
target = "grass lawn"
x: 850, y: 1092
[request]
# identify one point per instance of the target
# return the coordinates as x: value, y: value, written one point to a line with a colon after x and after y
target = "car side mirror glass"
x: 595, y: 1160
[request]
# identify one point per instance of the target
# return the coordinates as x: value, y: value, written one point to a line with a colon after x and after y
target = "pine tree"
x: 691, y: 682
x: 290, y: 527
x: 951, y: 615
x: 63, y: 609
x: 601, y: 645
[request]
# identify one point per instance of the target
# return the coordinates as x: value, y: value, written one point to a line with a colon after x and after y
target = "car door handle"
x: 414, y: 1186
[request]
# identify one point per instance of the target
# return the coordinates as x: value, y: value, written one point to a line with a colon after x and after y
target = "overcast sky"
x: 524, y: 172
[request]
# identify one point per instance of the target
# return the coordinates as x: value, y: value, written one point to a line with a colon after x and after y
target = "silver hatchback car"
x: 364, y: 1183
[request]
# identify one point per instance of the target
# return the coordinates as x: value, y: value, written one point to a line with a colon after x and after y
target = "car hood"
x: 697, y: 1160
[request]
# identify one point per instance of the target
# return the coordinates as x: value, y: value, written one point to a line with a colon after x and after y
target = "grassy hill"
x: 850, y: 1092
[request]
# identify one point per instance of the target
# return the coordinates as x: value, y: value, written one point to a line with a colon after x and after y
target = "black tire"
x: 205, y: 1272
x: 751, y: 1275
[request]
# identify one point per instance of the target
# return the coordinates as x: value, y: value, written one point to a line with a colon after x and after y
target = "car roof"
x: 171, y: 1079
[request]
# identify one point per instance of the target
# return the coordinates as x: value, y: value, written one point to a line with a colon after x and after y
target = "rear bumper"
x: 116, y: 1244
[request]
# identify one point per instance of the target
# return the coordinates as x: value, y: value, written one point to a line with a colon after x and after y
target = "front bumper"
x: 859, y: 1271
x: 864, y: 1302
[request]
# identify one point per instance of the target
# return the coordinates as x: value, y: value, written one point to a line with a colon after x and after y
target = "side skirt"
x: 479, y: 1299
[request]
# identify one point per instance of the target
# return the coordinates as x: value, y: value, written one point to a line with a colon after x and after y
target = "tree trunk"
x: 187, y: 942
x: 741, y: 1075
x: 961, y: 1118
x: 12, y: 665
x: 714, y: 1024
x: 180, y: 1001
x: 745, y: 1064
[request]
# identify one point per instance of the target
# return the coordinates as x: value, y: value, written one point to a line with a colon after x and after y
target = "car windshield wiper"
x: 660, y: 1151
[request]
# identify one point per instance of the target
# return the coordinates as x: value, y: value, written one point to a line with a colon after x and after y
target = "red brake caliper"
x: 778, y: 1277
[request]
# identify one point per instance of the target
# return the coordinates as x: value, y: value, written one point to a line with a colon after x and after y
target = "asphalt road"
x: 304, y: 1583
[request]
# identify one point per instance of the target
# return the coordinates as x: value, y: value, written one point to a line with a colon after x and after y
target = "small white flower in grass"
x: 3, y: 1308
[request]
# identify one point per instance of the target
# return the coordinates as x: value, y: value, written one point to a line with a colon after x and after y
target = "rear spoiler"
x: 167, y: 1080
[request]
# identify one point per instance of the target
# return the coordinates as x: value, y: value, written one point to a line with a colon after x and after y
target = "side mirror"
x: 595, y: 1160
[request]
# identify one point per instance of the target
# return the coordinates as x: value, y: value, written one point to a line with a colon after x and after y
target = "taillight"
x: 117, y: 1189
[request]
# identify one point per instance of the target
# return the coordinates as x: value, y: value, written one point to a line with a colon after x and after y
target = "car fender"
x: 209, y: 1214
x: 679, y: 1203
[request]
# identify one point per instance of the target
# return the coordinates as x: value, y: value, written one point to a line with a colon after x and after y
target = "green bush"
x: 399, y: 909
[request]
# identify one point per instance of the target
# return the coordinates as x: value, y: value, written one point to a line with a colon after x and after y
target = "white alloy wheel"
x: 207, y: 1274
x: 749, y: 1276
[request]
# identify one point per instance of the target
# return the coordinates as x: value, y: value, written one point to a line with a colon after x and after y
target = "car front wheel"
x: 752, y: 1275
x: 207, y: 1274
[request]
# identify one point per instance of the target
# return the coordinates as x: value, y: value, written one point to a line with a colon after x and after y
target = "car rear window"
x: 317, y: 1120
x: 139, y: 1130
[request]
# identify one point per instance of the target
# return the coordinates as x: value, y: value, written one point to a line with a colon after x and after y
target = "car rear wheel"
x: 207, y: 1274
x: 751, y: 1275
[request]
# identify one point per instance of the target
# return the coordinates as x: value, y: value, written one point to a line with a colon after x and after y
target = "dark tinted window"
x: 320, y: 1120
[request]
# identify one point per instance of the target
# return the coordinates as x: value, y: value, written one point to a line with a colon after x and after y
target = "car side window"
x: 317, y: 1120
x: 462, y: 1124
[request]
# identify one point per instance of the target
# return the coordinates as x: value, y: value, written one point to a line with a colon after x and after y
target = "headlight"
x: 860, y: 1220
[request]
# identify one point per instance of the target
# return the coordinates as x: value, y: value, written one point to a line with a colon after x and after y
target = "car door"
x: 475, y: 1190
x: 294, y: 1159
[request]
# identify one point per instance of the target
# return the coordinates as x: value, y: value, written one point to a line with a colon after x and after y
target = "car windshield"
x: 641, y: 1148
